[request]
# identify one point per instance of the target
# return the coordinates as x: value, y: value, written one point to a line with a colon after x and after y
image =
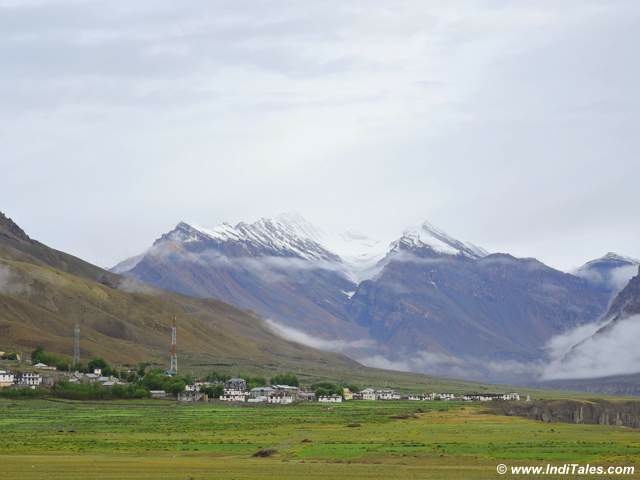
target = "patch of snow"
x: 427, y: 235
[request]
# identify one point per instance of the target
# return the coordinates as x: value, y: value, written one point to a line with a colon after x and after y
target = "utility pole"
x: 173, y: 368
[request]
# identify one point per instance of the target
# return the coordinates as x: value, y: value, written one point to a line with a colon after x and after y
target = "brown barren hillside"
x: 44, y: 293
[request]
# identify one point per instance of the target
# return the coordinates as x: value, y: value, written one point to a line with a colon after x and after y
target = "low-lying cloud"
x: 270, y: 266
x: 615, y: 279
x: 372, y: 354
x: 613, y: 351
x: 298, y: 336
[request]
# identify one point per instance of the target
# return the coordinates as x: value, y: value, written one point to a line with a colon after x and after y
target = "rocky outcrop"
x: 9, y: 229
x: 599, y: 412
x: 627, y: 302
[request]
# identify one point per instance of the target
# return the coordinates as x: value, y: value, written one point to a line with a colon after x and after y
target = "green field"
x: 369, y: 440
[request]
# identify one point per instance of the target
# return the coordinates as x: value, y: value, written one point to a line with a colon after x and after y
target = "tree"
x: 353, y: 388
x: 38, y: 355
x: 99, y: 362
x: 285, y: 379
x: 253, y: 382
x: 214, y: 391
x: 326, y: 388
x: 217, y: 377
x: 176, y: 386
x: 142, y: 367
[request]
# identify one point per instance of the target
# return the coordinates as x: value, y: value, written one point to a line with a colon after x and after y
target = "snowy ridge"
x: 357, y: 255
x: 282, y: 236
x: 613, y: 257
x: 428, y: 236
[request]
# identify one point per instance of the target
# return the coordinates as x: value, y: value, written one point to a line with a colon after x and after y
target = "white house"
x: 511, y: 396
x: 29, y: 379
x: 288, y: 389
x: 234, y: 396
x: 260, y: 394
x: 369, y: 394
x: 387, y: 395
x: 283, y: 397
x: 235, y: 390
x: 6, y: 379
x: 330, y: 399
x: 417, y: 397
x: 444, y: 396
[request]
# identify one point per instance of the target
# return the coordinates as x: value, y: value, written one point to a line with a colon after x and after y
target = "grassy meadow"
x: 369, y: 440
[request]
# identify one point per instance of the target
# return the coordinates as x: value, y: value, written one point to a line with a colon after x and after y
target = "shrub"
x: 95, y: 391
x: 155, y: 380
x: 22, y: 393
x: 40, y: 356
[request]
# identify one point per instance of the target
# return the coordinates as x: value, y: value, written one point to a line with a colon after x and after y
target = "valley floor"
x: 362, y: 440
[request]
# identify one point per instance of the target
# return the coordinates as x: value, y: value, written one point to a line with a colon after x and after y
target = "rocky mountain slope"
x: 427, y: 302
x: 267, y: 266
x: 627, y: 302
x: 478, y: 314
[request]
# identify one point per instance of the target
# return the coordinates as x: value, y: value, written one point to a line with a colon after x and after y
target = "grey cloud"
x: 511, y: 124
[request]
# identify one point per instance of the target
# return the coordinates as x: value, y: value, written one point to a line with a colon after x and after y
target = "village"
x: 45, y: 378
x: 98, y: 380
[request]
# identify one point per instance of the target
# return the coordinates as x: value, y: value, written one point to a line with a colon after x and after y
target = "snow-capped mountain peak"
x: 612, y: 270
x: 289, y: 234
x: 286, y: 236
x: 429, y: 236
x: 612, y: 256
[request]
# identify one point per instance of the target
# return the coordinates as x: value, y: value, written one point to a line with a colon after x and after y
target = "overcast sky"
x: 514, y: 125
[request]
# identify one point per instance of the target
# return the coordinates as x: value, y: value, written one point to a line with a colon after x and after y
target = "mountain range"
x: 424, y: 302
x: 45, y: 292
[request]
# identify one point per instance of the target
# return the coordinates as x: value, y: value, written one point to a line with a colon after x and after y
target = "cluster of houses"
x: 22, y: 379
x: 236, y: 390
x: 34, y: 379
x: 467, y: 397
x: 95, y: 377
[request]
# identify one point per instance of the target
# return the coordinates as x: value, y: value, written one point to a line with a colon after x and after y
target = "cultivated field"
x: 368, y: 440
